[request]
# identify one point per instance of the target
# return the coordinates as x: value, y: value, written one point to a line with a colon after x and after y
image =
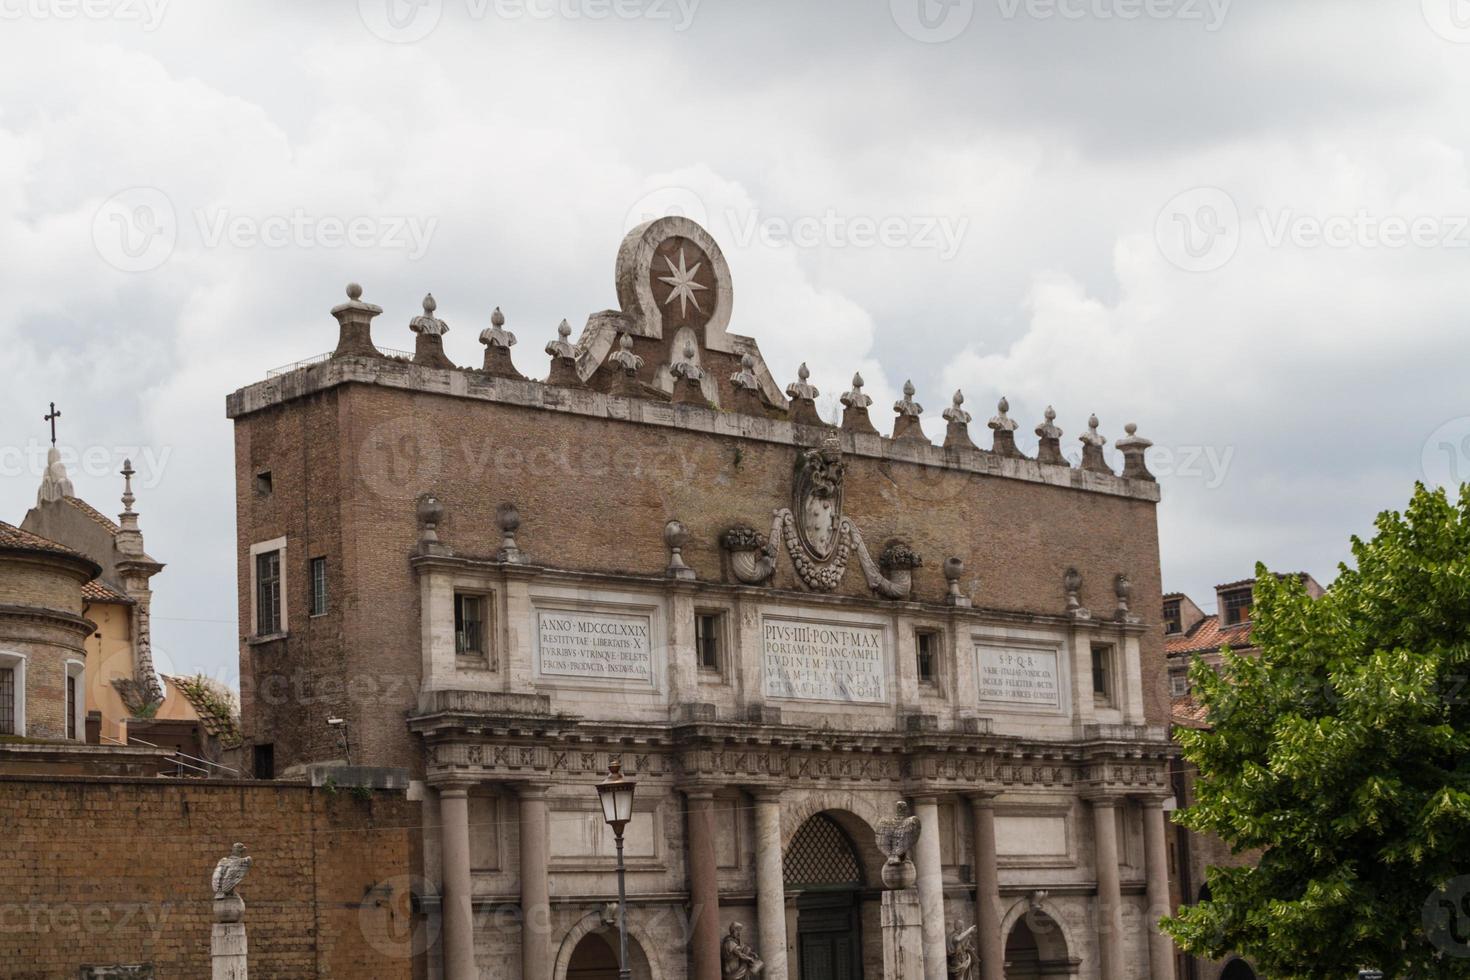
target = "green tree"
x: 1342, y: 754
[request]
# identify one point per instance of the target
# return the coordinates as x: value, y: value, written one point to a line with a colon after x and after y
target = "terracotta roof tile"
x: 1186, y: 712
x: 217, y: 722
x: 1207, y: 636
x: 13, y: 537
x: 99, y: 591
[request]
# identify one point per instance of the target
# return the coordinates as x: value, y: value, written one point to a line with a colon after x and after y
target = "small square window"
x: 1178, y: 684
x: 318, y: 586
x: 1236, y: 607
x: 1173, y: 623
x: 1102, y: 673
x: 707, y: 629
x: 263, y: 482
x: 926, y: 652
x: 469, y: 624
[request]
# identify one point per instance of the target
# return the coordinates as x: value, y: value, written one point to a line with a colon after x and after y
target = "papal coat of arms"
x: 817, y: 501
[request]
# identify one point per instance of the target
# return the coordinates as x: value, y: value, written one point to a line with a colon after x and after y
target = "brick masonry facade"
x: 104, y: 872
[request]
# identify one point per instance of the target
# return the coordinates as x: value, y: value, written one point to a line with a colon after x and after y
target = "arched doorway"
x: 822, y: 867
x: 1238, y: 969
x: 1037, y: 948
x: 596, y: 957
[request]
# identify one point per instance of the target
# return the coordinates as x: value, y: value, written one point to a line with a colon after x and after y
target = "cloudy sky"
x: 1242, y: 225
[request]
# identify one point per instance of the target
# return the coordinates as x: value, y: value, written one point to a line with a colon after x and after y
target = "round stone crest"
x: 682, y: 279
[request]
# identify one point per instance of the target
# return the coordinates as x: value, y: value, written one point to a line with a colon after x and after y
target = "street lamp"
x: 616, y: 794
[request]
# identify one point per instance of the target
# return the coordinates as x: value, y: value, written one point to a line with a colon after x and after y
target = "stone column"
x: 770, y: 883
x: 704, y: 885
x: 989, y: 943
x: 535, y: 892
x: 1160, y: 947
x: 1109, y: 896
x: 458, y: 910
x: 931, y: 888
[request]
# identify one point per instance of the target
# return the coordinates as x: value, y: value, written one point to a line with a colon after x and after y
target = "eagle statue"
x: 229, y: 872
x: 897, y: 834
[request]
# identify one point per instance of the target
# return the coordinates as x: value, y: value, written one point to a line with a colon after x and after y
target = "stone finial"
x: 427, y: 322
x: 688, y: 377
x: 745, y: 379
x: 429, y: 331
x: 430, y: 513
x: 803, y: 395
x: 906, y: 405
x: 1003, y: 429
x: 1133, y: 447
x: 563, y: 355
x: 855, y: 408
x: 1092, y: 448
x: 1123, y: 589
x: 1072, y: 587
x: 624, y: 357
x: 562, y: 346
x: 676, y: 536
x: 855, y: 398
x: 954, y: 569
x: 688, y: 368
x: 801, y: 388
x: 957, y: 424
x: 496, y: 335
x: 498, y: 341
x: 55, y: 484
x: 355, y: 325
x: 907, y: 425
x: 1050, y: 451
x: 508, y: 519
x: 129, y: 536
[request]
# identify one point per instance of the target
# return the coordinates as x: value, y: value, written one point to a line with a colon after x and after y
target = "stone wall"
x: 116, y: 872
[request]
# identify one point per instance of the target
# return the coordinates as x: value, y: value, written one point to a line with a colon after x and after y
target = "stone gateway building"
x: 781, y: 628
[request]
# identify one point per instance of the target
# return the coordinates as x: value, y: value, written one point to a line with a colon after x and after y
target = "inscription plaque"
x: 809, y: 661
x: 594, y: 645
x: 1018, y: 676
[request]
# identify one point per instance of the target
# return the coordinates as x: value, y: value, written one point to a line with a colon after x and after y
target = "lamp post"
x: 616, y: 794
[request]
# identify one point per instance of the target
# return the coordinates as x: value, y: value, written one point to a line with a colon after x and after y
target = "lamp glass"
x: 616, y: 795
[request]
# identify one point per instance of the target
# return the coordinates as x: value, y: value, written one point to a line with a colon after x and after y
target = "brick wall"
x: 594, y: 493
x: 108, y: 872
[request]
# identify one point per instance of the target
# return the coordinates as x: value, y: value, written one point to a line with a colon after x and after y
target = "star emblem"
x: 681, y: 279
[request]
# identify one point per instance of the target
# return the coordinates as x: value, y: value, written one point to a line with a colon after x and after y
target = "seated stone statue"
x: 737, y: 960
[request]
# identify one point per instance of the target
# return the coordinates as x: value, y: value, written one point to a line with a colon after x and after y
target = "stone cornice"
x: 938, y: 610
x: 49, y: 617
x: 534, y: 395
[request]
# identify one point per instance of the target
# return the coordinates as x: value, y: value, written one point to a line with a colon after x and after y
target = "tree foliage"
x: 1342, y: 754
